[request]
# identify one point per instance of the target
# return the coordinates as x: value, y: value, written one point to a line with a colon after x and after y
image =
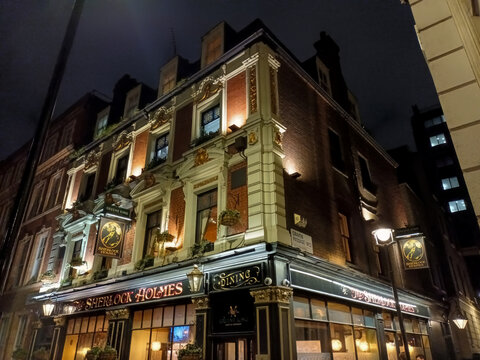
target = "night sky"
x: 381, y: 58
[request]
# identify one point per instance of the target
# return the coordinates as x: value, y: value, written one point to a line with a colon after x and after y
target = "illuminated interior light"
x: 336, y: 345
x: 156, y: 345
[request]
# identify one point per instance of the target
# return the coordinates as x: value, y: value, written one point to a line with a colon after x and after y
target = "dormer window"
x: 132, y: 101
x: 212, y: 45
x: 323, y: 76
x: 210, y: 122
x: 102, y: 122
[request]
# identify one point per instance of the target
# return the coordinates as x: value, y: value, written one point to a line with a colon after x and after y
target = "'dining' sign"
x: 110, y: 238
x: 246, y: 276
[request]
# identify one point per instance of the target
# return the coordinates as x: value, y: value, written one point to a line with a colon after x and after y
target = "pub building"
x: 255, y: 167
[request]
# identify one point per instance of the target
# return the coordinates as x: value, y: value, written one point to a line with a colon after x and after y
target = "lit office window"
x: 457, y: 205
x: 450, y: 183
x: 438, y: 139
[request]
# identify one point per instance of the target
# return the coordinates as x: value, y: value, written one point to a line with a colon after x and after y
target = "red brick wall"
x: 236, y: 100
x: 177, y: 215
x: 128, y: 245
x: 139, y: 153
x: 238, y: 199
x: 183, y: 131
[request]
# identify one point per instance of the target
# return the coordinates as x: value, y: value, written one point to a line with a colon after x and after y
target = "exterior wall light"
x: 460, y: 320
x: 383, y: 236
x: 69, y: 309
x: 195, y: 279
x: 48, y: 307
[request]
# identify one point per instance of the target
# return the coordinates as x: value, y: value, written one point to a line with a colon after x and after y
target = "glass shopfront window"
x: 334, y: 331
x: 158, y: 334
x: 417, y: 337
x: 83, y: 334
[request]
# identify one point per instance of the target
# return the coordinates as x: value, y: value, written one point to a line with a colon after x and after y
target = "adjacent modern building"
x: 252, y: 171
x: 449, y: 35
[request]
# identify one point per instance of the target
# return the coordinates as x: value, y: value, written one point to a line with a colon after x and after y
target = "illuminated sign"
x: 116, y: 211
x: 413, y: 253
x: 110, y: 238
x: 246, y: 276
x: 308, y: 281
x: 134, y: 296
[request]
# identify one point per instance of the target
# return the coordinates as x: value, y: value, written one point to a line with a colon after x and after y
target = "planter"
x: 91, y: 357
x: 165, y: 237
x: 190, y: 357
x: 229, y: 217
x: 107, y: 356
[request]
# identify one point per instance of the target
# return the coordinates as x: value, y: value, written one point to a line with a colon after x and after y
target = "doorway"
x: 241, y: 348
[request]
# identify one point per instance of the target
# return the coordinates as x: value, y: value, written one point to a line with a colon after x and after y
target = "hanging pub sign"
x: 110, y: 238
x: 116, y: 211
x: 413, y: 252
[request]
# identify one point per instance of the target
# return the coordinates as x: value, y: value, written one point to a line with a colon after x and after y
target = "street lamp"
x: 195, y: 278
x: 459, y: 319
x: 48, y: 307
x: 69, y: 309
x: 385, y: 237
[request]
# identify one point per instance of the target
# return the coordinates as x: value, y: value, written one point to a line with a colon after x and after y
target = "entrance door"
x: 234, y: 349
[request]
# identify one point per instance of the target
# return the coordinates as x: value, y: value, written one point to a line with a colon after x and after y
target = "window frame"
x: 456, y: 204
x: 206, y: 105
x: 37, y: 261
x: 366, y: 175
x: 116, y: 157
x: 338, y: 162
x: 102, y: 117
x: 437, y: 140
x: 36, y: 200
x: 447, y: 183
x: 53, y: 186
x: 344, y: 228
x: 200, y: 238
x: 132, y: 101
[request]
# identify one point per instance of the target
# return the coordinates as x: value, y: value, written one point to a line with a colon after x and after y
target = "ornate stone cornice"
x: 272, y: 294
x: 118, y: 314
x: 274, y: 63
x: 60, y: 321
x: 92, y: 159
x: 208, y: 87
x: 161, y: 116
x: 123, y: 139
x: 201, y: 302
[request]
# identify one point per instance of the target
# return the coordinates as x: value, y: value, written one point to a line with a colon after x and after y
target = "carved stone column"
x: 202, y: 321
x: 117, y: 336
x: 58, y: 339
x: 274, y: 322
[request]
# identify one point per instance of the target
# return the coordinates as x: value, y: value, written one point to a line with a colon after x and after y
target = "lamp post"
x: 195, y: 279
x: 385, y: 237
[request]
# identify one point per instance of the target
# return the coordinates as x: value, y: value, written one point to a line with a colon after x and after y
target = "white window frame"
x: 22, y: 325
x: 116, y: 156
x: 51, y: 188
x: 4, y: 328
x: 101, y: 116
x: 38, y: 190
x: 38, y: 259
x: 204, y: 106
x: 132, y: 101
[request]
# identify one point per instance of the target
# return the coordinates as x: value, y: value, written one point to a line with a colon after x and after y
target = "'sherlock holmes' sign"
x: 413, y: 253
x: 237, y: 278
x: 134, y: 296
x: 110, y: 238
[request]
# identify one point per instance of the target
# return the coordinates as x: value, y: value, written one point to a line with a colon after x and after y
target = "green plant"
x: 189, y: 349
x: 100, y: 274
x: 41, y: 354
x: 108, y: 353
x: 229, y: 217
x: 105, y: 131
x: 48, y: 275
x: 164, y: 236
x: 154, y: 163
x: 198, y: 249
x: 76, y: 153
x: 93, y: 353
x: 19, y: 354
x: 77, y: 261
x: 147, y: 261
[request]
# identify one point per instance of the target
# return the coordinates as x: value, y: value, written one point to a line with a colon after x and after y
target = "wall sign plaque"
x: 238, y: 278
x: 116, y: 211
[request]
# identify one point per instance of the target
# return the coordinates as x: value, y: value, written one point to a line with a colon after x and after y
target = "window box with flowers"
x: 48, y: 277
x: 229, y: 217
x: 190, y: 352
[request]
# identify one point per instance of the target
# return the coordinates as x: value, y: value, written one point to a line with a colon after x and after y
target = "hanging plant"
x: 229, y: 217
x: 164, y: 237
x: 190, y: 352
x: 93, y: 353
x: 108, y: 353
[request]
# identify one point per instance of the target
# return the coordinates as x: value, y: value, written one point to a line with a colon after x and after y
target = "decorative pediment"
x: 211, y: 158
x: 122, y: 140
x: 92, y: 159
x: 160, y: 117
x: 208, y: 87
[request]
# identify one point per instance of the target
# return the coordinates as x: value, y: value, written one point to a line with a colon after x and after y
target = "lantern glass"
x: 195, y: 278
x: 48, y: 307
x: 461, y: 322
x: 69, y: 309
